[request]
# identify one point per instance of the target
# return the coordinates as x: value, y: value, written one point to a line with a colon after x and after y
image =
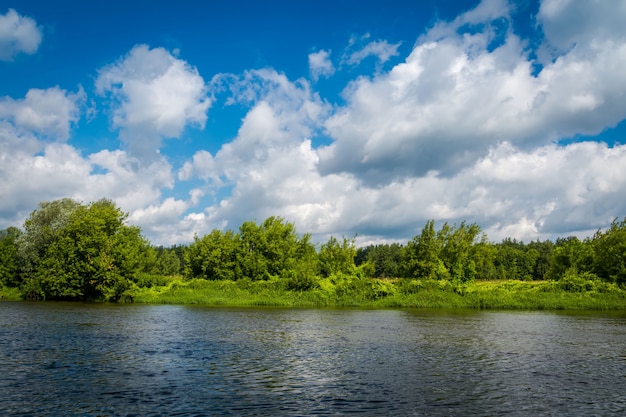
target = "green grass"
x: 346, y: 291
x: 366, y: 293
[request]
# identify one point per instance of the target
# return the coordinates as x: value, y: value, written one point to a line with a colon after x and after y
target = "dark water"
x: 107, y: 360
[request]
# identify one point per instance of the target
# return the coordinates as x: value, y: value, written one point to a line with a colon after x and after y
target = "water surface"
x: 65, y: 359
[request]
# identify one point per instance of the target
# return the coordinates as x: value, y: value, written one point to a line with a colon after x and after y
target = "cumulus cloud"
x: 465, y: 128
x: 320, y: 64
x: 132, y: 183
x: 154, y: 96
x: 272, y: 147
x: 31, y: 172
x: 49, y: 113
x: 527, y: 194
x: 461, y: 130
x: 571, y: 24
x: 18, y: 34
x: 456, y: 95
x: 27, y: 179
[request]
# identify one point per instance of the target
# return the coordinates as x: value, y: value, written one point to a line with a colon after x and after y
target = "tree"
x: 421, y: 255
x: 570, y: 253
x: 303, y: 276
x: 385, y: 258
x: 609, y: 261
x: 484, y: 254
x: 9, y: 262
x: 93, y: 254
x: 167, y: 262
x: 268, y: 250
x: 457, y: 245
x: 213, y: 257
x: 337, y: 257
x: 40, y: 231
x: 545, y: 252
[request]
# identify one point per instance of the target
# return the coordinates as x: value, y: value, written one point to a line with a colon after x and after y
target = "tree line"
x: 67, y: 250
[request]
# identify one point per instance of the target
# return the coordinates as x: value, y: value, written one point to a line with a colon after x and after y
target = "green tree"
x: 213, y: 257
x: 303, y: 276
x: 570, y: 253
x: 337, y: 257
x: 457, y: 244
x: 150, y: 261
x: 385, y: 258
x: 93, y: 255
x: 545, y: 252
x: 268, y: 250
x: 167, y: 262
x: 41, y: 230
x: 609, y: 261
x: 9, y: 263
x: 421, y: 255
x: 515, y: 260
x: 484, y: 254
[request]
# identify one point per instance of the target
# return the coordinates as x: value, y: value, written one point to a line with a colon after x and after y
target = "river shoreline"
x: 371, y: 293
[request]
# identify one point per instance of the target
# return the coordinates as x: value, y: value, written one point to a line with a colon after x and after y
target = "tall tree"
x: 385, y: 258
x: 337, y: 257
x: 9, y: 265
x: 457, y: 244
x: 93, y: 255
x: 41, y: 229
x: 421, y: 255
x: 213, y: 257
x: 167, y: 262
x: 609, y: 261
x: 570, y: 253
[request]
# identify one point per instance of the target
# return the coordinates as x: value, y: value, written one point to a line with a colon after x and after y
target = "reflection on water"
x: 60, y: 359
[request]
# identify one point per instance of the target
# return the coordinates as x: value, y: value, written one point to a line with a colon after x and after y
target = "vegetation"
x: 72, y: 251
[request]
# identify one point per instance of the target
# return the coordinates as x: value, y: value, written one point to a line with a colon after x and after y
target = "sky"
x: 345, y: 117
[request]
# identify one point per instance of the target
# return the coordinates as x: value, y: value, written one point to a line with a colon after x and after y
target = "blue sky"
x: 345, y: 117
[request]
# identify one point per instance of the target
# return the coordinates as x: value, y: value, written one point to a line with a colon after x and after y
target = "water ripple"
x: 93, y: 360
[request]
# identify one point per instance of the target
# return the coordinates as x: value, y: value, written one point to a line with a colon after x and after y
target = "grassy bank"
x: 368, y: 293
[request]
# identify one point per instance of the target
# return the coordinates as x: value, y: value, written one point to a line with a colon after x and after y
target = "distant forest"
x: 67, y: 250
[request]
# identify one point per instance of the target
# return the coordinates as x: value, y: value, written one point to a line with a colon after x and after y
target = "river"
x: 72, y: 359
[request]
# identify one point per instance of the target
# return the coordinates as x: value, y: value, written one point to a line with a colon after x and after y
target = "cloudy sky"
x: 345, y: 117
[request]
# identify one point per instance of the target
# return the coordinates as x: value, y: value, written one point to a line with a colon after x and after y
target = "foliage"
x: 41, y: 230
x: 609, y: 250
x: 385, y: 259
x: 344, y: 291
x: 9, y: 262
x: 214, y: 256
x: 449, y: 253
x: 337, y: 257
x: 71, y: 251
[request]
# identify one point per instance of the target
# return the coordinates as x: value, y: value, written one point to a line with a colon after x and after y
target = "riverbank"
x: 378, y: 293
x: 368, y: 293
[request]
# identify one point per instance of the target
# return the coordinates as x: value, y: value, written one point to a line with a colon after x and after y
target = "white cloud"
x: 27, y: 179
x: 49, y: 113
x: 18, y: 34
x: 154, y: 95
x: 456, y: 95
x: 320, y: 64
x: 463, y: 129
x: 578, y: 24
x: 132, y: 183
x: 381, y: 49
x: 270, y: 164
x: 540, y: 193
x: 30, y: 174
